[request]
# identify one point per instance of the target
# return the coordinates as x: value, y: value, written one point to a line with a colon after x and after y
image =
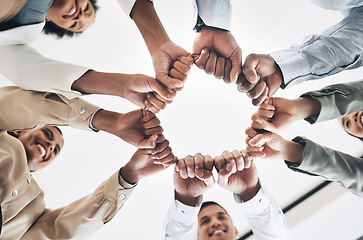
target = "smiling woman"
x: 69, y: 18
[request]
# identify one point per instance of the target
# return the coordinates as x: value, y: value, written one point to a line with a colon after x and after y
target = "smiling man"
x: 189, y: 218
x: 29, y: 141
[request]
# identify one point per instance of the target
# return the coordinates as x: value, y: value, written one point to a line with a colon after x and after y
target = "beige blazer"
x: 21, y: 199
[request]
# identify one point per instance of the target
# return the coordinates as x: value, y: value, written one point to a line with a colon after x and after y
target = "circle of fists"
x: 193, y: 175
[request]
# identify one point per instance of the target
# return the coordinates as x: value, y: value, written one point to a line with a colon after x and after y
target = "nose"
x: 79, y: 15
x: 50, y: 145
x: 355, y: 117
x: 216, y: 223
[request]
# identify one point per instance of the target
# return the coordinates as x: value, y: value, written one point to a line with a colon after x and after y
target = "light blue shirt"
x: 338, y: 48
x: 214, y: 13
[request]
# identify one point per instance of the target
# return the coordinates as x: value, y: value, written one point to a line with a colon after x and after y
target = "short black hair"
x: 51, y: 28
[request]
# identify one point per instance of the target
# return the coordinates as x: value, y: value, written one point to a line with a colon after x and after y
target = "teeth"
x: 361, y: 119
x: 72, y: 12
x: 218, y: 231
x: 42, y: 150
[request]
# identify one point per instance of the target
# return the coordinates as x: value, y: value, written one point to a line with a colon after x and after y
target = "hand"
x: 265, y: 144
x: 192, y: 178
x: 180, y: 70
x: 142, y: 163
x: 261, y: 77
x: 237, y: 181
x: 275, y: 114
x: 140, y: 90
x: 224, y: 45
x: 163, y: 59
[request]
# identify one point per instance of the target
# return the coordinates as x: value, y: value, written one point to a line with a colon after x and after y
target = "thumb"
x: 148, y: 142
x: 225, y: 172
x: 236, y: 60
x: 261, y: 123
x: 206, y: 176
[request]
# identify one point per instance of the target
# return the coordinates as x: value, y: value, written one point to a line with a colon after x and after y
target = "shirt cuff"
x: 294, y: 67
x: 255, y: 206
x: 213, y: 13
x: 123, y: 182
x: 185, y: 213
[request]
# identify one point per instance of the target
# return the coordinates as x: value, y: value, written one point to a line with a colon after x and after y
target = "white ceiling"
x: 208, y: 116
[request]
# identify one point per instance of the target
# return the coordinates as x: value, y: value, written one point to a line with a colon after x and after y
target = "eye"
x: 348, y: 123
x: 86, y: 9
x: 221, y: 218
x: 204, y: 222
x: 74, y: 24
x: 46, y: 134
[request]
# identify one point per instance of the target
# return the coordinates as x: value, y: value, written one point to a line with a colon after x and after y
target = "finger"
x: 206, y: 176
x: 240, y: 164
x: 169, y: 82
x: 236, y: 60
x: 147, y: 116
x: 160, y: 138
x: 188, y: 60
x: 219, y: 72
x: 176, y: 74
x: 162, y: 90
x: 208, y: 162
x: 261, y: 123
x: 227, y: 71
x: 261, y: 98
x: 257, y: 90
x: 228, y: 156
x: 225, y: 173
x: 262, y: 113
x: 210, y: 66
x: 247, y: 159
x: 160, y: 147
x: 156, y: 95
x: 181, y: 68
x: 181, y: 168
x: 241, y: 80
x: 164, y: 156
x: 189, y: 163
x: 155, y: 102
x: 219, y: 162
x: 257, y: 154
x: 246, y: 86
x: 157, y: 130
x: 250, y: 132
x: 249, y: 68
x: 253, y: 149
x: 203, y: 58
x: 198, y: 161
x: 155, y: 122
x: 263, y: 138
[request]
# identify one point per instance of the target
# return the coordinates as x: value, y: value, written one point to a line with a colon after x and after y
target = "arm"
x: 261, y: 210
x: 86, y: 215
x: 162, y: 50
x: 192, y: 177
x: 338, y: 48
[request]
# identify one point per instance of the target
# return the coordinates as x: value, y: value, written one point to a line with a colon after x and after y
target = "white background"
x: 208, y: 116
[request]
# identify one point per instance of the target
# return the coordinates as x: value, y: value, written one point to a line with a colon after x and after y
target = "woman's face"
x: 72, y: 15
x: 353, y: 123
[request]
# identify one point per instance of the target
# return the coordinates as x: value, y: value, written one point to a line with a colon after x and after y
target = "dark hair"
x: 51, y: 28
x: 354, y: 136
x: 209, y: 203
x: 60, y: 131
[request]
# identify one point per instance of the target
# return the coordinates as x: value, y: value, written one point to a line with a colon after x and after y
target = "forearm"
x: 250, y: 192
x: 292, y: 152
x: 149, y: 25
x: 93, y: 82
x: 306, y: 107
x: 107, y: 121
x: 188, y: 199
x: 338, y: 48
x: 337, y: 100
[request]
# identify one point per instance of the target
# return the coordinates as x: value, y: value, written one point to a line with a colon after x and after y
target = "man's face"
x: 72, y: 15
x: 353, y: 123
x: 215, y: 223
x: 41, y: 146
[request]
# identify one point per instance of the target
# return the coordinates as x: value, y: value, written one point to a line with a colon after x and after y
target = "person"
x: 343, y: 101
x: 188, y: 218
x: 338, y: 101
x: 33, y: 144
x: 42, y: 74
x: 336, y: 49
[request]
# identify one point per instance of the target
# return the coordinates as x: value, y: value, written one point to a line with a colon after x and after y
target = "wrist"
x: 188, y: 199
x: 129, y: 174
x: 250, y: 192
x: 306, y: 107
x: 106, y: 121
x: 293, y: 152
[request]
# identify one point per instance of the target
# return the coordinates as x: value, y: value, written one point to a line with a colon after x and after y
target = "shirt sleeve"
x: 28, y: 69
x: 216, y: 13
x: 22, y: 109
x: 83, y: 217
x: 338, y: 48
x: 337, y: 100
x: 265, y: 217
x: 181, y: 222
x: 332, y: 165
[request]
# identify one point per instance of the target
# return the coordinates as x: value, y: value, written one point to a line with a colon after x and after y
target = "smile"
x: 73, y: 12
x: 217, y: 231
x: 42, y: 150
